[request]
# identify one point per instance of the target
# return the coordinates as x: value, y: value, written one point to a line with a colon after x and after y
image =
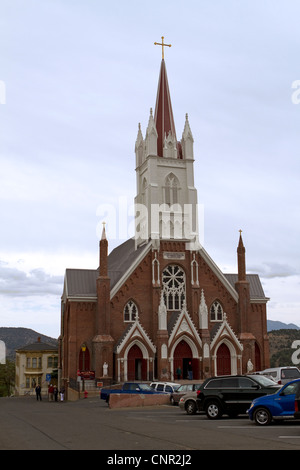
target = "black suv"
x: 232, y: 394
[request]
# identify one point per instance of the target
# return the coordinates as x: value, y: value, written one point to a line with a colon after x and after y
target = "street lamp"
x: 83, y: 349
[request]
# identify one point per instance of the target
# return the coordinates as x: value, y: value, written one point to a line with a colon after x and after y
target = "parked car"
x: 182, y: 390
x: 232, y: 395
x: 279, y: 405
x: 168, y: 387
x: 188, y: 403
x: 297, y: 405
x: 282, y: 375
x: 129, y: 388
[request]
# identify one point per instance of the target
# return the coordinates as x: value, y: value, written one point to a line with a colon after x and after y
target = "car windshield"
x: 264, y: 381
x: 145, y: 387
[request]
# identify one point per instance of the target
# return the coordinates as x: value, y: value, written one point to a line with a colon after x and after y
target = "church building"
x: 158, y: 307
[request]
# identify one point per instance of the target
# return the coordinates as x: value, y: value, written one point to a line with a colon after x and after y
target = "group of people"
x: 52, y: 393
x: 189, y: 372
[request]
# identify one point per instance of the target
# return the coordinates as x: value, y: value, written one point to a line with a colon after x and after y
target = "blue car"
x: 280, y: 405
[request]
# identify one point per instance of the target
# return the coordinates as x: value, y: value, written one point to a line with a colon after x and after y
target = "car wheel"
x: 190, y: 407
x: 262, y: 417
x: 213, y: 410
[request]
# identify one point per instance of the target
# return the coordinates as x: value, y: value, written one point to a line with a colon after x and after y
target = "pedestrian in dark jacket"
x: 38, y: 392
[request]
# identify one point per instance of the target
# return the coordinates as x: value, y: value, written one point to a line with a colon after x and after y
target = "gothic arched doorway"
x: 136, y: 365
x: 183, y: 360
x: 223, y: 360
x: 257, y: 358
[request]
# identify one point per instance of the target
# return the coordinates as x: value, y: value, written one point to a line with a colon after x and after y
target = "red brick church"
x: 158, y: 303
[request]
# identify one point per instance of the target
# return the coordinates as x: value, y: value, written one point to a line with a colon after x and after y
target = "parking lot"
x: 90, y: 424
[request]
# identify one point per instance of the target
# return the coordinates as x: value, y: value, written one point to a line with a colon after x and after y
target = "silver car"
x: 188, y: 403
x: 182, y: 390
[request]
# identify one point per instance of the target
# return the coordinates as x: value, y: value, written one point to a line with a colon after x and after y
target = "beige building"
x: 34, y: 365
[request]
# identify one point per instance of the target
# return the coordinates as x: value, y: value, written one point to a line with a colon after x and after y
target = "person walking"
x: 190, y: 371
x: 50, y: 392
x: 38, y: 393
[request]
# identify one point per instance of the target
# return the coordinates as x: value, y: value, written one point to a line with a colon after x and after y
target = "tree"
x: 7, y: 378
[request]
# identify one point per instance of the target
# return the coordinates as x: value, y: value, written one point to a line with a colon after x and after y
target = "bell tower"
x: 166, y: 200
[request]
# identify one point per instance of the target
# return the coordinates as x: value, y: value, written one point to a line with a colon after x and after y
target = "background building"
x: 34, y: 365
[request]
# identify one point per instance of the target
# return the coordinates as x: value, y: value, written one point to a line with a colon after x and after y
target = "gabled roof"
x: 183, y: 324
x: 216, y: 270
x: 222, y: 330
x: 229, y: 280
x: 38, y: 346
x: 134, y: 332
x: 81, y: 283
x: 123, y: 260
x: 256, y: 289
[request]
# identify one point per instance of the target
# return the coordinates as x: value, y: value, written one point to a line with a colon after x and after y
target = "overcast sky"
x: 76, y: 78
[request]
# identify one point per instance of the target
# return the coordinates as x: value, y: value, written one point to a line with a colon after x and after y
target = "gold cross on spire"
x: 162, y: 44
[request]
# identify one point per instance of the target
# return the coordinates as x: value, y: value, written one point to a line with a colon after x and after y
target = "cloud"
x: 70, y: 120
x: 272, y: 270
x: 15, y: 282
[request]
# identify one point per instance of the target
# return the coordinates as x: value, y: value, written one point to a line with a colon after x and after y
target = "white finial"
x: 103, y: 236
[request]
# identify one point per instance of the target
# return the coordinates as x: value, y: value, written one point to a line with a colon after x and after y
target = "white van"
x: 168, y: 387
x: 282, y: 375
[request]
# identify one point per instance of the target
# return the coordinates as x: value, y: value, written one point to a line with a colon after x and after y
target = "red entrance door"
x: 183, y: 360
x: 223, y: 360
x: 136, y: 365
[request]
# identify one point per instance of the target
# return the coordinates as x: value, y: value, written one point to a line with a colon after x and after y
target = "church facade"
x: 158, y: 307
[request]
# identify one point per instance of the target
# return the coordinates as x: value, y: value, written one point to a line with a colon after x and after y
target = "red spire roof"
x: 163, y: 116
x: 241, y: 259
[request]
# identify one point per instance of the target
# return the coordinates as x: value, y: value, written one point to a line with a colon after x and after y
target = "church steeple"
x: 103, y: 271
x: 166, y: 200
x: 242, y: 287
x: 241, y: 255
x: 163, y: 116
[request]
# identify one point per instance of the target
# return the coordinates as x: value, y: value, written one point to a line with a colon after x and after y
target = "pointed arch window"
x: 130, y: 311
x: 174, y: 287
x: 171, y: 189
x: 216, y: 311
x: 144, y: 189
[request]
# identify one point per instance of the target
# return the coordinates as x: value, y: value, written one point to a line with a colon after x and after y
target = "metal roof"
x: 38, y: 346
x: 256, y: 289
x: 81, y: 283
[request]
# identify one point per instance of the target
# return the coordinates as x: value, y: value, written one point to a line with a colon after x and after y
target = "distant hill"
x: 281, y: 336
x: 278, y: 325
x: 280, y: 344
x: 15, y: 338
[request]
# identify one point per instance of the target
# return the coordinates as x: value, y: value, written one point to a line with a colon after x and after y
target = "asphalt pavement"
x: 88, y: 424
